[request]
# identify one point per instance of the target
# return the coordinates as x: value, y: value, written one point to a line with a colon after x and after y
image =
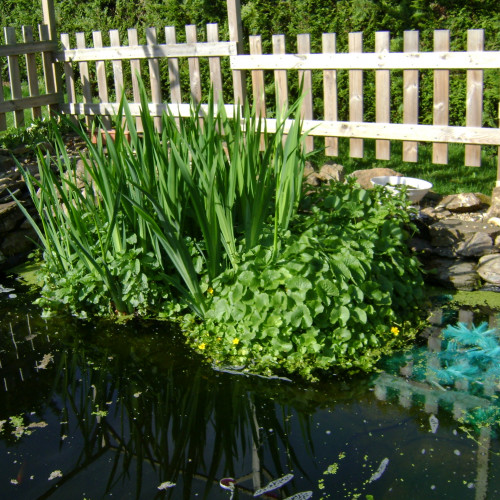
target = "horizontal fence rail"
x: 30, y: 66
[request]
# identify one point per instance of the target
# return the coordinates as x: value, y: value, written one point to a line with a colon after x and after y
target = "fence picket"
x: 49, y: 70
x: 114, y: 39
x: 135, y: 69
x: 32, y: 75
x: 68, y: 73
x: 474, y: 111
x: 258, y: 85
x: 102, y: 85
x: 214, y: 62
x: 441, y: 95
x: 280, y: 75
x: 330, y: 94
x: 356, y: 94
x: 14, y: 76
x: 84, y: 76
x: 305, y: 76
x: 194, y: 66
x: 382, y: 96
x: 154, y: 74
x: 410, y: 96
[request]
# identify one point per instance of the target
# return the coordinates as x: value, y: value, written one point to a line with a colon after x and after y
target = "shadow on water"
x: 99, y: 410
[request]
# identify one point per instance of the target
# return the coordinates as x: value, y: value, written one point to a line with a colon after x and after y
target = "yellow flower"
x: 236, y: 341
x: 202, y: 346
x: 395, y: 331
x: 210, y: 290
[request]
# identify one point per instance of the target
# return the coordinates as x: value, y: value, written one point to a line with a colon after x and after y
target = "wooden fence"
x: 100, y: 71
x: 39, y: 69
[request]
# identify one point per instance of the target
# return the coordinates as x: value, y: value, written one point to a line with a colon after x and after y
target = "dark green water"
x: 113, y: 411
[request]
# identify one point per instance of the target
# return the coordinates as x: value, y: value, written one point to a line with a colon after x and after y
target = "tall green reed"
x: 203, y: 186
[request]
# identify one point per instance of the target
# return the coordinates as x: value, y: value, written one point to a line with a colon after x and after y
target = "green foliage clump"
x: 338, y: 295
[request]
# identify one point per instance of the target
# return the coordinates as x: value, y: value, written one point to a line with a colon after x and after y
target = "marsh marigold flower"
x: 236, y: 341
x: 202, y: 346
x: 395, y: 331
x: 210, y: 290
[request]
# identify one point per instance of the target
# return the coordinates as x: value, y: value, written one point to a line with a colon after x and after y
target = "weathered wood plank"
x: 31, y: 71
x: 214, y: 62
x: 84, y: 75
x: 258, y: 85
x: 114, y: 39
x: 68, y: 73
x: 28, y: 102
x: 305, y: 77
x: 14, y: 75
x: 441, y: 96
x: 135, y: 69
x: 330, y: 94
x: 382, y: 95
x: 173, y: 68
x: 355, y: 95
x: 280, y: 76
x: 194, y: 66
x: 199, y: 49
x: 364, y: 130
x: 154, y: 74
x: 19, y: 49
x: 236, y: 35
x: 102, y: 84
x: 474, y: 106
x: 49, y: 70
x: 393, y: 60
x: 410, y: 96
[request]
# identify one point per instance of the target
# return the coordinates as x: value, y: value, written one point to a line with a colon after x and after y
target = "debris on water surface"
x: 274, y: 485
x: 434, y: 423
x: 54, y: 474
x: 303, y: 495
x: 6, y: 290
x: 381, y: 469
x: 47, y: 358
x: 165, y: 485
x: 227, y: 483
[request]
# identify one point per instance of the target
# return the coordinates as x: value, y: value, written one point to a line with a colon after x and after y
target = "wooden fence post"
x: 236, y: 35
x: 49, y: 18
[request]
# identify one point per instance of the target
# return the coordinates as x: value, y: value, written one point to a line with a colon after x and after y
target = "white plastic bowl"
x: 417, y: 188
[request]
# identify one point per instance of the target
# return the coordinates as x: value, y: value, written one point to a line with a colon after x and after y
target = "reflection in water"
x: 100, y: 410
x: 418, y: 379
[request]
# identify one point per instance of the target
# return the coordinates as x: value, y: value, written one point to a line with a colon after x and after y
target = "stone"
x: 448, y: 232
x: 452, y: 273
x: 476, y: 245
x: 18, y: 242
x: 331, y: 172
x: 461, y: 202
x: 489, y: 269
x: 10, y: 216
x: 364, y: 177
x: 6, y: 162
x: 494, y: 220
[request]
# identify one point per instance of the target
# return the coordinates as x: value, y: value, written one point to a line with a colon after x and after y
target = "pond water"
x: 98, y: 410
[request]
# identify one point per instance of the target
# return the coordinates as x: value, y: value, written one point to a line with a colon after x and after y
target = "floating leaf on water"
x: 303, y: 495
x: 54, y: 474
x: 165, y: 485
x: 47, y: 358
x: 274, y: 485
x: 381, y: 469
x: 6, y: 290
x: 434, y: 423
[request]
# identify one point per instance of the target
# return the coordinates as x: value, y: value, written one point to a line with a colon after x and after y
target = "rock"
x: 494, y: 210
x: 10, y: 216
x: 18, y: 242
x: 365, y: 176
x: 331, y: 172
x: 435, y: 213
x: 6, y: 162
x: 489, y: 269
x: 457, y: 274
x: 448, y: 232
x: 461, y: 202
x: 476, y: 245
